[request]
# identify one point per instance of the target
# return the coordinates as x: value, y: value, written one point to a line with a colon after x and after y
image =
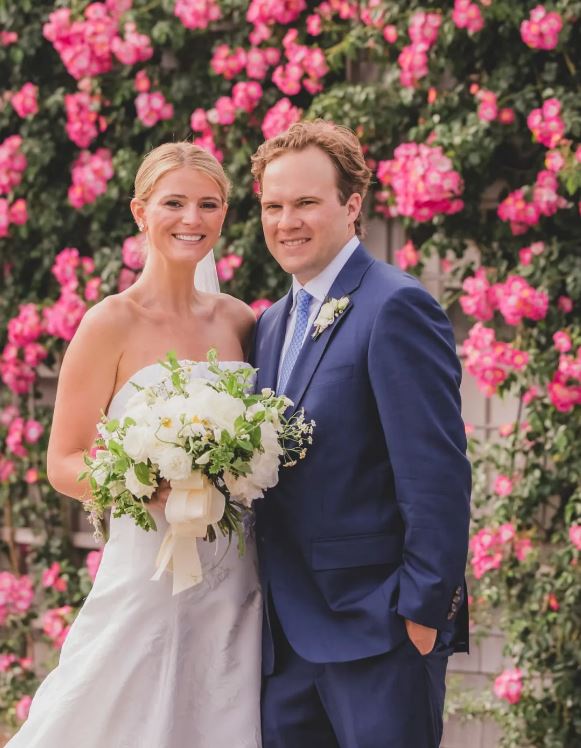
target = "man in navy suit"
x: 363, y: 544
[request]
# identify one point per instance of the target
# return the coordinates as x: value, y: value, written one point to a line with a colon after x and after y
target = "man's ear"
x: 353, y: 205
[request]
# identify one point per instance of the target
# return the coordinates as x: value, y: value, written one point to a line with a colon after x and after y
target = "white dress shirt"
x: 318, y: 287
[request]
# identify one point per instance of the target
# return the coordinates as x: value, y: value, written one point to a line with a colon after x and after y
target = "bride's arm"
x: 86, y: 382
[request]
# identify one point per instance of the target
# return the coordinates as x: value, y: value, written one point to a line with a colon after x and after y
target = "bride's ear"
x: 138, y: 211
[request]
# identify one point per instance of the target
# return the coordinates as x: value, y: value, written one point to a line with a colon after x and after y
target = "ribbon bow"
x: 192, y: 505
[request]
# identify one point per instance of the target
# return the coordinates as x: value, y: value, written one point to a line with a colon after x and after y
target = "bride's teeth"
x: 189, y: 237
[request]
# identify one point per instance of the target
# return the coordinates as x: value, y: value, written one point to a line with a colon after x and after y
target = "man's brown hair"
x: 338, y: 142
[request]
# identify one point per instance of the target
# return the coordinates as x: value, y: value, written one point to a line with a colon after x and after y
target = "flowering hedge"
x: 469, y: 114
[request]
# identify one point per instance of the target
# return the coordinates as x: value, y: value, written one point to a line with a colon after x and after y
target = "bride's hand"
x: 160, y: 495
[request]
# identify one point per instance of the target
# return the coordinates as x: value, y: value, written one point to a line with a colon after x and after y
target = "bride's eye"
x: 210, y: 205
x: 174, y: 204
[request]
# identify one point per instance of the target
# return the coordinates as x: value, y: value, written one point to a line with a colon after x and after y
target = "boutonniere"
x: 329, y: 312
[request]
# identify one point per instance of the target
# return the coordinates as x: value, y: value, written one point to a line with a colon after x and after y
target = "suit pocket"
x: 355, y: 550
x: 331, y: 376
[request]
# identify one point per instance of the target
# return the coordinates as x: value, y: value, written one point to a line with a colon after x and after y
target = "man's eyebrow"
x: 296, y: 199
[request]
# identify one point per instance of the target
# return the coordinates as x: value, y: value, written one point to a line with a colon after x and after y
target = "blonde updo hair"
x: 169, y: 156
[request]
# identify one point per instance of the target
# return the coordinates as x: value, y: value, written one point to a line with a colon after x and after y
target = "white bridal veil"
x: 206, y: 277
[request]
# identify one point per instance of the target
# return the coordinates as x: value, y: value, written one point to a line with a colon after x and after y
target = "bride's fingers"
x: 160, y: 495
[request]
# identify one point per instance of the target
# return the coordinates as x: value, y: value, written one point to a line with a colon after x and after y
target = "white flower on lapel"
x: 329, y: 312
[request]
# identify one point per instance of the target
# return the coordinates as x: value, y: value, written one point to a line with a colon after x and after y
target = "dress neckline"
x: 187, y: 361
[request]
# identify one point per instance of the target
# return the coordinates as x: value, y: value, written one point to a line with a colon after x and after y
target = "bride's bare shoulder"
x: 239, y: 313
x: 108, y: 320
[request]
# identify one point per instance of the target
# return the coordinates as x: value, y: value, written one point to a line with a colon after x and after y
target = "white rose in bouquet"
x: 219, y: 408
x: 136, y: 487
x: 174, y: 464
x: 264, y: 469
x: 138, y: 408
x: 138, y: 442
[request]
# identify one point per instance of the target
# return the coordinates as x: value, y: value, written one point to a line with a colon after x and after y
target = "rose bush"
x: 469, y: 115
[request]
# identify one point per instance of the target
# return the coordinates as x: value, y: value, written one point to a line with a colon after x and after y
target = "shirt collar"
x: 320, y: 285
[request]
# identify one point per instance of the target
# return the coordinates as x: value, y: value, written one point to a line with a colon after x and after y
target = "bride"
x: 141, y: 668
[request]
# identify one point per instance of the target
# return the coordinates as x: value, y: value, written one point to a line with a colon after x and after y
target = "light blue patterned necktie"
x: 301, y: 320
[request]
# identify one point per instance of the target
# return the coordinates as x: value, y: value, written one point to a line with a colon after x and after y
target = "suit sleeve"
x: 415, y: 375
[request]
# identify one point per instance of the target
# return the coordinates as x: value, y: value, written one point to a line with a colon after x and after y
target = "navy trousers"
x: 394, y: 700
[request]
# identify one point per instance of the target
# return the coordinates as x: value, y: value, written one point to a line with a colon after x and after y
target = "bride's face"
x: 183, y: 216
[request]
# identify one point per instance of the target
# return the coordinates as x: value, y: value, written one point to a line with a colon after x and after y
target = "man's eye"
x: 272, y: 207
x: 307, y: 202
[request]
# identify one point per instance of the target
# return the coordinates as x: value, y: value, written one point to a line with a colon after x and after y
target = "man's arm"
x: 415, y: 375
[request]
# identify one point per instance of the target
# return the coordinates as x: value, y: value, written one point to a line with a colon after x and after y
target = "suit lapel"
x: 312, y: 351
x: 274, y: 337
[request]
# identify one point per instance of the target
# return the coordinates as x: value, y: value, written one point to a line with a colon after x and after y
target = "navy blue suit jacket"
x: 372, y: 526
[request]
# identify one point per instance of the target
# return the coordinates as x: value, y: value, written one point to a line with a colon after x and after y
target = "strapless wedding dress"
x: 141, y: 668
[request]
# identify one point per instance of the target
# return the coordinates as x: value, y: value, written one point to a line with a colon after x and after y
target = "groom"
x: 363, y: 544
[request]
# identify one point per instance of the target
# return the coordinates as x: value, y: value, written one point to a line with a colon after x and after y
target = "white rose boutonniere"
x: 330, y: 310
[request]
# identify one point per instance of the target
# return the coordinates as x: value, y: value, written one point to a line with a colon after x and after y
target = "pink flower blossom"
x: 32, y: 431
x: 517, y: 300
x: 16, y: 593
x: 90, y: 174
x: 420, y: 182
x: 542, y: 29
x: 575, y: 536
x: 197, y: 14
x: 486, y: 555
x: 25, y: 101
x: 8, y: 414
x: 31, y: 476
x: 314, y: 25
x: 279, y: 118
x: 530, y: 395
x: 7, y: 469
x: 7, y: 38
x: 152, y: 108
x: 562, y: 341
x: 65, y: 267
x: 12, y: 163
x: 26, y: 327
x: 467, y: 15
x: 506, y: 116
x: 51, y: 578
x: 227, y: 265
x: 552, y: 602
x: 390, y: 33
x: 63, y: 317
x: 522, y: 548
x: 269, y: 12
x: 259, y: 306
x: 565, y: 304
x: 546, y: 123
x: 55, y: 624
x: 206, y: 141
x: 407, y: 256
x: 126, y: 279
x: 199, y: 121
x: 141, y: 83
x: 134, y: 48
x: 489, y: 360
x: 223, y: 113
x: 133, y: 252
x: 22, y: 708
x: 84, y: 122
x: 246, y: 95
x: 479, y: 301
x: 503, y: 485
x: 93, y: 562
x: 506, y: 429
x: 228, y: 63
x: 509, y: 685
x: 93, y: 289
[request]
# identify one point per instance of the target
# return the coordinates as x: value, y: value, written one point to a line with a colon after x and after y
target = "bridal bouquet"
x: 219, y: 446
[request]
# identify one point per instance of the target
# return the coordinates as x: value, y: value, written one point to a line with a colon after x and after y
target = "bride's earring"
x: 140, y: 226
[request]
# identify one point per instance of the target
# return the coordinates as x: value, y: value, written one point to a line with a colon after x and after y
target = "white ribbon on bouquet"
x: 192, y: 505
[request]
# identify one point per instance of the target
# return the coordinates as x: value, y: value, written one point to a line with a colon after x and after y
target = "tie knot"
x: 304, y: 299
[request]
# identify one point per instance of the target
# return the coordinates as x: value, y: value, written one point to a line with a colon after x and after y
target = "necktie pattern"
x: 301, y: 320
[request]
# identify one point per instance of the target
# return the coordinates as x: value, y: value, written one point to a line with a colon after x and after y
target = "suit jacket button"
x: 450, y: 615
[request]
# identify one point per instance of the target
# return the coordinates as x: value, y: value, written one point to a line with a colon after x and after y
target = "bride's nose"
x: 190, y: 215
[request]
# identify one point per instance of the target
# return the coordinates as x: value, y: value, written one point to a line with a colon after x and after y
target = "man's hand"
x: 422, y: 637
x: 160, y: 495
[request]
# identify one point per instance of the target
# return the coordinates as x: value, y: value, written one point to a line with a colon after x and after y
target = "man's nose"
x: 289, y: 219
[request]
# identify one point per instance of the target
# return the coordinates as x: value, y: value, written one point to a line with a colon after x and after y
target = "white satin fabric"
x: 141, y: 668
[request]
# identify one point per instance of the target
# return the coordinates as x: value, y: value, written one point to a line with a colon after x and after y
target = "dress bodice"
x: 154, y: 373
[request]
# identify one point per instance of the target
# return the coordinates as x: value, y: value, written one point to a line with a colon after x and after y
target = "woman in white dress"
x: 141, y: 668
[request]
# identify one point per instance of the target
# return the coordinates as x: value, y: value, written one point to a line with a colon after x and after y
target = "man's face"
x: 305, y: 225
